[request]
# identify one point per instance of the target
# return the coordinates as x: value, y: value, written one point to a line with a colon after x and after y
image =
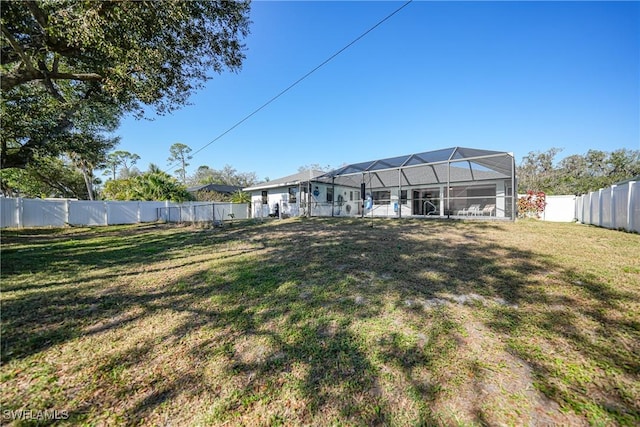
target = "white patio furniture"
x: 471, y: 210
x: 489, y: 210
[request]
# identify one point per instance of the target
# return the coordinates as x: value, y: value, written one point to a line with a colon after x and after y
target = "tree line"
x: 577, y: 173
x: 60, y: 177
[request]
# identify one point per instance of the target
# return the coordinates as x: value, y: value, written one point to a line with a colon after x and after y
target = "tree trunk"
x: 87, y: 181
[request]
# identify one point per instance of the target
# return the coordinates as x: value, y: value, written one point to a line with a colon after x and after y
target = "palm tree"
x: 153, y: 168
x: 241, y: 197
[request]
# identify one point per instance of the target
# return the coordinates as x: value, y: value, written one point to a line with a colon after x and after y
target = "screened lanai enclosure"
x: 453, y: 182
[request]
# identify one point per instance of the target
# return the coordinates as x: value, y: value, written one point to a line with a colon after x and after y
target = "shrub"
x: 532, y: 204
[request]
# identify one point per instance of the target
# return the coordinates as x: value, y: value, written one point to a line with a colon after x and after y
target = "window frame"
x: 381, y: 197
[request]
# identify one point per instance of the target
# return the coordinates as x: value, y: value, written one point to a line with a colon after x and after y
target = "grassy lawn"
x: 323, y: 322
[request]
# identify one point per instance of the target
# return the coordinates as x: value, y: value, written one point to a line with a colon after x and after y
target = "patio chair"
x: 488, y: 210
x: 471, y: 210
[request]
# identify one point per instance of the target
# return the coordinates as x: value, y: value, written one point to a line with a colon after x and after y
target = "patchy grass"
x: 323, y: 322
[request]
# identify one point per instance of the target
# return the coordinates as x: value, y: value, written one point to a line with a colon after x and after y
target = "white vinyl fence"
x: 204, y: 212
x: 560, y: 209
x: 616, y: 207
x: 19, y: 212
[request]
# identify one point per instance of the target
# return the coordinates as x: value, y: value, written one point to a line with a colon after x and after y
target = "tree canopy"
x: 179, y: 153
x: 228, y: 175
x: 74, y: 67
x: 152, y: 185
x: 46, y: 177
x: 576, y: 174
x: 120, y: 161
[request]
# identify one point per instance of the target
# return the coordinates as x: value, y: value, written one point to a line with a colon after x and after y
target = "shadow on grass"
x: 281, y: 321
x: 121, y: 249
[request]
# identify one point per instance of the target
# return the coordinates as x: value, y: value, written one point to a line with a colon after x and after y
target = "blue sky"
x: 506, y: 76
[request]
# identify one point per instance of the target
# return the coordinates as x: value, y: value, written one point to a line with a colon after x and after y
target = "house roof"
x: 455, y: 164
x: 220, y: 188
x: 294, y: 179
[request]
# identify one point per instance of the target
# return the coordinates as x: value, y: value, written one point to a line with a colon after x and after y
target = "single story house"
x: 283, y: 195
x: 452, y: 182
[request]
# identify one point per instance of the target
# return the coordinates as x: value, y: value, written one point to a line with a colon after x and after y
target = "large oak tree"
x: 73, y: 68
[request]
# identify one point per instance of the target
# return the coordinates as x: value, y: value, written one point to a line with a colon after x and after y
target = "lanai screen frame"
x: 377, y: 174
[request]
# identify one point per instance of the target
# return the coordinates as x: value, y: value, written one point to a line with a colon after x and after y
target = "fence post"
x: 66, y: 211
x: 581, y: 209
x: 630, y: 202
x: 106, y: 213
x: 600, y: 208
x: 19, y: 211
x: 612, y: 207
x: 138, y: 214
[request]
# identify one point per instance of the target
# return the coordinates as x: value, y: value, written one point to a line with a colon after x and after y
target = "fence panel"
x: 187, y: 212
x: 586, y: 209
x: 198, y: 212
x: 619, y: 209
x: 122, y: 212
x: 10, y: 212
x: 149, y: 211
x: 560, y: 209
x: 43, y: 213
x: 86, y: 212
x: 203, y: 213
x: 227, y: 211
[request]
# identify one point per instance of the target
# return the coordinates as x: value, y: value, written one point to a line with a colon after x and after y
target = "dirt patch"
x: 500, y: 388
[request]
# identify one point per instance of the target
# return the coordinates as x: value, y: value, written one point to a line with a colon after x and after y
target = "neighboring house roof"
x: 294, y: 179
x: 218, y: 188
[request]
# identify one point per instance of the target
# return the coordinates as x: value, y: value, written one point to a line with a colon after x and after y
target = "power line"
x: 292, y: 85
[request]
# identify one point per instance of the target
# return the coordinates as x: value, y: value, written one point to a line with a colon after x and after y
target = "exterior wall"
x: 350, y: 205
x: 347, y: 201
x: 275, y: 196
x: 319, y: 206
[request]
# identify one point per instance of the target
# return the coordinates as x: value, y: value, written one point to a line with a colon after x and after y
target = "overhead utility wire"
x: 300, y: 79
